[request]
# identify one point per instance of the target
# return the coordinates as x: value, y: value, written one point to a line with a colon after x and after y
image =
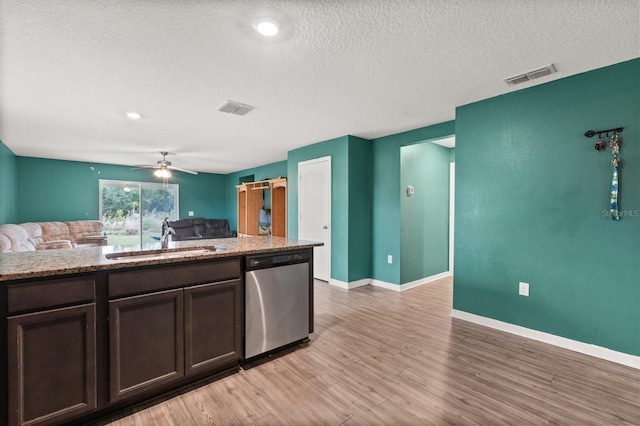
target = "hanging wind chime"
x: 614, y: 144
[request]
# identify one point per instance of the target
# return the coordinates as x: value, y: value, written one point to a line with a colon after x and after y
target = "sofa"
x: 32, y: 236
x: 199, y: 228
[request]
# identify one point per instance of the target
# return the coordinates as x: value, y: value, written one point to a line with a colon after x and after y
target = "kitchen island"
x: 93, y: 330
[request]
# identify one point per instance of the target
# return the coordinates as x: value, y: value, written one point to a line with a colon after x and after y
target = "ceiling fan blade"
x: 182, y: 170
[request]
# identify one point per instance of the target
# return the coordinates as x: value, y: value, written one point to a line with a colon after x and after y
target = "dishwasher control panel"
x: 270, y: 261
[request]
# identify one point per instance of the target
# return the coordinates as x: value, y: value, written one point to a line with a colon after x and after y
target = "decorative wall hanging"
x: 614, y: 144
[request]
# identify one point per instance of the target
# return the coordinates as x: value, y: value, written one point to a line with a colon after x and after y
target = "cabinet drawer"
x: 45, y: 294
x: 167, y: 277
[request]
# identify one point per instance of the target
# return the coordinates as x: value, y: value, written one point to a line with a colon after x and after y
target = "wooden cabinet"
x: 213, y: 325
x: 52, y: 365
x: 252, y: 197
x: 146, y: 342
x: 161, y: 336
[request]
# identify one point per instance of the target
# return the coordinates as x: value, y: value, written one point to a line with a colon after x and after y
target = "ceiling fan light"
x: 162, y: 173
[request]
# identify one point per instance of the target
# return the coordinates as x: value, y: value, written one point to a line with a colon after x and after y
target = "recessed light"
x: 266, y: 26
x: 134, y: 115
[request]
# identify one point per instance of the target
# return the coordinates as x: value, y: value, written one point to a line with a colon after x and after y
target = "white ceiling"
x: 449, y: 142
x: 71, y: 69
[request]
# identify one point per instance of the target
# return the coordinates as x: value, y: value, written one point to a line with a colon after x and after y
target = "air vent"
x: 235, y: 108
x: 530, y: 75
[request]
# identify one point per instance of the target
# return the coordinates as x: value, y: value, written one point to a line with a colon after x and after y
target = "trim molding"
x: 412, y: 284
x: 562, y: 342
x: 349, y: 285
x: 384, y: 284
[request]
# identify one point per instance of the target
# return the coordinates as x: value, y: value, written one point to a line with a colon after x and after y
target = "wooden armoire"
x: 251, y: 198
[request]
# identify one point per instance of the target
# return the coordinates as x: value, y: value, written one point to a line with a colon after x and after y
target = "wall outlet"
x: 523, y: 289
x: 389, y: 259
x: 190, y: 213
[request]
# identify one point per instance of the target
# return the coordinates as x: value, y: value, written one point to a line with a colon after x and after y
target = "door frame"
x: 452, y: 211
x: 328, y: 239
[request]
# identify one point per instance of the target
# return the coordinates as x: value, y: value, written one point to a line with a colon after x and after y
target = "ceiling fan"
x: 164, y: 167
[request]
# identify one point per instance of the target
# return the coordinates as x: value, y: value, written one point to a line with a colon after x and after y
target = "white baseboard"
x: 573, y: 345
x: 384, y: 284
x: 349, y: 285
x: 412, y: 284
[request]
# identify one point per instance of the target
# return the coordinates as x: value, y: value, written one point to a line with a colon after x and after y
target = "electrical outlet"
x: 190, y: 213
x: 389, y: 259
x: 523, y: 289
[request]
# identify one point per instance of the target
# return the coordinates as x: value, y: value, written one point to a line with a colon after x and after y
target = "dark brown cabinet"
x: 213, y: 325
x: 80, y: 346
x: 146, y: 342
x: 52, y: 365
x: 187, y: 321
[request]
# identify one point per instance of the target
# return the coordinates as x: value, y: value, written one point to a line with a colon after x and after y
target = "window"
x: 132, y: 212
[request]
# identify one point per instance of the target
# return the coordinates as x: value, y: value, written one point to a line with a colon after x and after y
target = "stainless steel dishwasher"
x: 276, y: 301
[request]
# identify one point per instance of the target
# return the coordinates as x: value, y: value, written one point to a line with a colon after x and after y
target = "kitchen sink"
x: 162, y: 254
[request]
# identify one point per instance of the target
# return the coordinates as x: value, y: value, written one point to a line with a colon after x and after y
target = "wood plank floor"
x: 380, y: 357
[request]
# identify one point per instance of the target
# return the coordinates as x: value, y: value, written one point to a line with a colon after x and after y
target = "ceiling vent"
x: 235, y: 108
x: 530, y: 75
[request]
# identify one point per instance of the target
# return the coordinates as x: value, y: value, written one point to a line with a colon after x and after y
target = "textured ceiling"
x: 71, y: 69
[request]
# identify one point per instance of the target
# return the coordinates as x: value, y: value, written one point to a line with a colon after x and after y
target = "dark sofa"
x: 196, y: 229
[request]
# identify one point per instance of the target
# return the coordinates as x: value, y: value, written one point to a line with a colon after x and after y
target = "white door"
x: 314, y: 211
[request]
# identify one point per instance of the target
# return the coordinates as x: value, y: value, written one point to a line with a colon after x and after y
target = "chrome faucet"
x: 166, y: 237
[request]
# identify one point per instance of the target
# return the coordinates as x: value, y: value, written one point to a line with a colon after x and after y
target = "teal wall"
x: 424, y: 214
x: 351, y: 202
x: 8, y: 185
x: 69, y: 190
x: 387, y: 192
x: 338, y: 150
x: 531, y: 201
x: 360, y: 205
x: 273, y: 170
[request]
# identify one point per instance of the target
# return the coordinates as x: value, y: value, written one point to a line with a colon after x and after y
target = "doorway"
x: 425, y: 211
x: 314, y: 211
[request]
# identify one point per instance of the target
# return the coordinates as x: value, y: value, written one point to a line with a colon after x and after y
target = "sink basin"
x: 162, y: 254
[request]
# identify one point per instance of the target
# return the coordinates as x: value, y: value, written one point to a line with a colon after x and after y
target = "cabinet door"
x: 146, y: 342
x: 213, y: 325
x: 52, y: 365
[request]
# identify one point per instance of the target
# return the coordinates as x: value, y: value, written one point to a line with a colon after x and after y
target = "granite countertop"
x: 44, y: 263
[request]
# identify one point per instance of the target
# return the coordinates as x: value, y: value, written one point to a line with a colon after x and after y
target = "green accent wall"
x: 387, y: 193
x: 57, y: 190
x: 351, y: 202
x: 268, y: 171
x: 532, y: 199
x: 8, y: 185
x: 337, y: 149
x: 360, y: 205
x: 424, y: 214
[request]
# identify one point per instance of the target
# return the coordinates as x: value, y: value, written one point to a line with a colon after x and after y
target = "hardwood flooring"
x: 380, y: 357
